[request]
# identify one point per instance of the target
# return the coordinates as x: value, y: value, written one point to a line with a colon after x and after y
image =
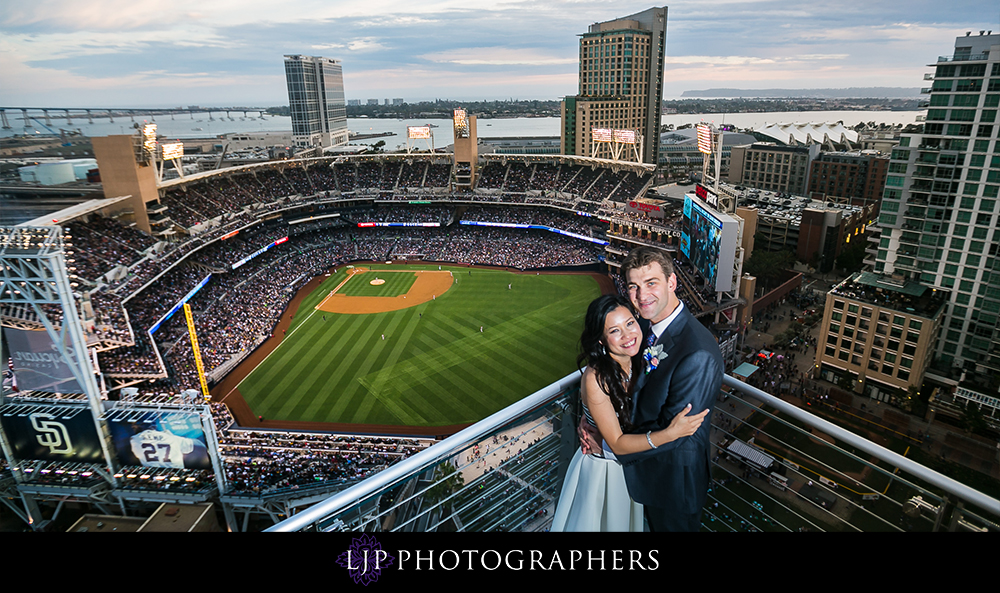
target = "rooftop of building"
x: 787, y: 206
x: 773, y: 147
x: 809, y: 133
x: 904, y: 296
x: 857, y: 154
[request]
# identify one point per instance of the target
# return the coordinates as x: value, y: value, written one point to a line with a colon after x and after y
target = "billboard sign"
x: 706, y: 194
x: 158, y: 438
x: 651, y: 210
x: 37, y: 363
x: 51, y: 432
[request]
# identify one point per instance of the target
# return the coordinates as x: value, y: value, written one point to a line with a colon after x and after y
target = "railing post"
x: 940, y: 516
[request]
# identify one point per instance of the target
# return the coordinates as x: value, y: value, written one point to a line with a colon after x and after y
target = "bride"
x: 594, y: 496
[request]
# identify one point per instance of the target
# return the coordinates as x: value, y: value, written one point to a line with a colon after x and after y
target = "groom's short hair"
x: 641, y: 257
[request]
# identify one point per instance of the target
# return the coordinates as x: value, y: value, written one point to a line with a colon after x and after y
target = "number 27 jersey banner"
x: 160, y: 439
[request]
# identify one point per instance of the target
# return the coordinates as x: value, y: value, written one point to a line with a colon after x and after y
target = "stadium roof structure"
x: 833, y: 135
x: 75, y: 211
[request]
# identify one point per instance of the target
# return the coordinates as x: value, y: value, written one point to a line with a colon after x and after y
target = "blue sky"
x: 229, y: 52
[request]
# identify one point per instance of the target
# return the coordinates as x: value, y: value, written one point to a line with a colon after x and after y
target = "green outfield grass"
x: 434, y: 366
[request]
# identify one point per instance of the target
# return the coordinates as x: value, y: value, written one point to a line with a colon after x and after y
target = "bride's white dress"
x: 594, y: 497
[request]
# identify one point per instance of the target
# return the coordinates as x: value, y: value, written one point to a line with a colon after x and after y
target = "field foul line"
x: 272, y: 352
x: 350, y: 274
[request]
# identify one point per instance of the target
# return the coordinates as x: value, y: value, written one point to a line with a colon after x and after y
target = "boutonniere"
x: 653, y: 355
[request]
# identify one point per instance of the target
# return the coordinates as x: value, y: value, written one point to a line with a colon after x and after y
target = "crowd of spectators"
x: 258, y: 463
x: 558, y: 219
x: 400, y: 213
x: 98, y: 244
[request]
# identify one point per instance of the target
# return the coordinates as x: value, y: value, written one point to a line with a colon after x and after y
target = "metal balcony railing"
x: 964, y: 57
x: 777, y: 467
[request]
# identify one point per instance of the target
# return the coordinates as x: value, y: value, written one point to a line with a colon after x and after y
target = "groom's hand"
x: 590, y: 437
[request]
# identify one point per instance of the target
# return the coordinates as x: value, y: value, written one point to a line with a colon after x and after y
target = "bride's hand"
x: 685, y: 426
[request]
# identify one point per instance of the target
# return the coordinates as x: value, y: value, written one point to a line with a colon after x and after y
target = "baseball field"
x: 416, y: 345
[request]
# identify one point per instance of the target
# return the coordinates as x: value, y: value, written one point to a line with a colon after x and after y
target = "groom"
x: 681, y: 365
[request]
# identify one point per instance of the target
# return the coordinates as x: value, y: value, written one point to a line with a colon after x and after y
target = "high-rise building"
x: 850, y: 177
x: 938, y: 222
x: 316, y: 99
x: 621, y: 83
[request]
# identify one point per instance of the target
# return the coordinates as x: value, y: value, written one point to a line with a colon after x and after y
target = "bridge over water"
x: 44, y: 115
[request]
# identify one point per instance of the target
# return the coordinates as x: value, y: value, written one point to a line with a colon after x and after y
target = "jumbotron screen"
x: 712, y: 243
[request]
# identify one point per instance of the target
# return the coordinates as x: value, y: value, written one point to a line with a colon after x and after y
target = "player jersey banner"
x: 51, y: 432
x: 38, y: 365
x: 155, y: 438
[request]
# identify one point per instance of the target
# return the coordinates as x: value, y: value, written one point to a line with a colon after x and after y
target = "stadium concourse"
x: 275, y: 227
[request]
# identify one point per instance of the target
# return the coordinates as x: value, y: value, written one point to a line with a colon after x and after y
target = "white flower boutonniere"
x: 653, y: 355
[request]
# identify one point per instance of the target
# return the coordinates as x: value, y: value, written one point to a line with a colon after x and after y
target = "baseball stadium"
x: 380, y: 342
x: 342, y: 313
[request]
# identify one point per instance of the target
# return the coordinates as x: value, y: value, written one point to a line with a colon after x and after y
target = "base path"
x: 429, y: 284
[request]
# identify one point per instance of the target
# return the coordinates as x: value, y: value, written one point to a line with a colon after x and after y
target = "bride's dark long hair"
x: 610, y: 376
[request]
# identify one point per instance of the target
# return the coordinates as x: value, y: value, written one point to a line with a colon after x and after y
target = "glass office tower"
x: 316, y: 99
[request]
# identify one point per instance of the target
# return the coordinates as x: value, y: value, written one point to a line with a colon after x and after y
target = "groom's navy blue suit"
x: 672, y: 481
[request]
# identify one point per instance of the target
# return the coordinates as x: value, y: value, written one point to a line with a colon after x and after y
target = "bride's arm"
x: 603, y: 411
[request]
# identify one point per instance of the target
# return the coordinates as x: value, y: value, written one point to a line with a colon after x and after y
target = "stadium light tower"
x: 419, y: 133
x: 33, y: 278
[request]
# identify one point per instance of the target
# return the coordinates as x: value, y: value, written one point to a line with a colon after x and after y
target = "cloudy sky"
x: 92, y: 53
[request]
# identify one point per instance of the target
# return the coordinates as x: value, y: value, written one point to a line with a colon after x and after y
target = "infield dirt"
x: 428, y: 285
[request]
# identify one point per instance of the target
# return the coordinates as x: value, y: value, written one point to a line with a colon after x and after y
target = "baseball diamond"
x: 428, y: 350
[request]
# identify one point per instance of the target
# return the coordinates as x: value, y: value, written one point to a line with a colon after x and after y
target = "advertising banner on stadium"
x: 179, y: 304
x: 651, y: 210
x: 258, y: 252
x: 158, y: 438
x: 51, y: 432
x: 38, y: 364
x: 512, y: 225
x: 706, y: 194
